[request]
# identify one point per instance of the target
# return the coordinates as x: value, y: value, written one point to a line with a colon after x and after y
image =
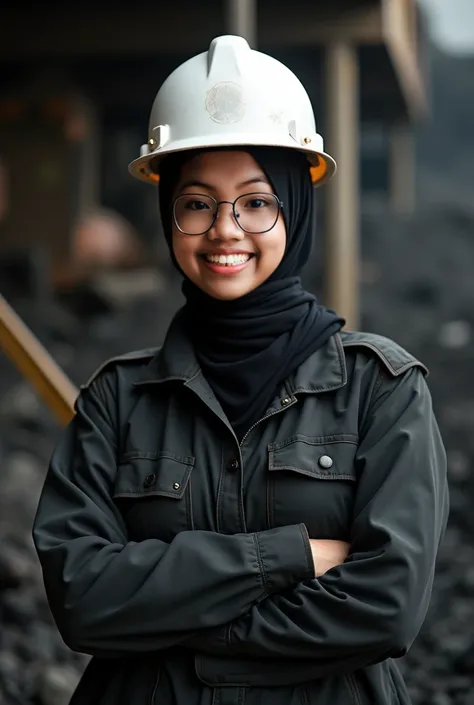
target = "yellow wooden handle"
x: 36, y: 365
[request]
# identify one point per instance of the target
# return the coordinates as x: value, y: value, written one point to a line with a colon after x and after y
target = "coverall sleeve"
x: 110, y: 596
x: 371, y: 607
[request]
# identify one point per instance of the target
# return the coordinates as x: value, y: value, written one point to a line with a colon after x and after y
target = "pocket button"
x: 149, y: 480
x: 326, y: 462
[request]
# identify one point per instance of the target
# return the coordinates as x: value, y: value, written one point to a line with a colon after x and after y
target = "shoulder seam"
x: 134, y: 356
x: 412, y: 362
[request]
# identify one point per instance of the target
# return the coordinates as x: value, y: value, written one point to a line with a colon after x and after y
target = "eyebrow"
x: 261, y: 179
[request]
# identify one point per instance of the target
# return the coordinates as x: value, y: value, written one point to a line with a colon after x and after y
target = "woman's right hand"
x: 327, y: 554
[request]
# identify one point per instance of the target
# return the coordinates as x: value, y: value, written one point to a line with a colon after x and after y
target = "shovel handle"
x: 36, y: 365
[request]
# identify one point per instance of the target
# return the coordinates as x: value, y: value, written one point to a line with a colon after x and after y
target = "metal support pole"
x: 342, y: 211
x: 242, y: 19
x: 402, y: 180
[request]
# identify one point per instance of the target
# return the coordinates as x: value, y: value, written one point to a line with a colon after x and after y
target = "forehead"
x: 228, y: 165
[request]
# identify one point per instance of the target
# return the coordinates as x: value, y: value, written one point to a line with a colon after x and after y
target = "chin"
x: 226, y: 294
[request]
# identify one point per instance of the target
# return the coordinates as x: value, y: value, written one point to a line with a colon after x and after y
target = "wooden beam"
x: 242, y: 19
x: 400, y: 36
x: 36, y: 365
x: 95, y: 31
x: 341, y: 237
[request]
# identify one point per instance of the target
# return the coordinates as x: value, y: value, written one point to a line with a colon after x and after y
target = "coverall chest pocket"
x: 312, y: 480
x: 152, y: 490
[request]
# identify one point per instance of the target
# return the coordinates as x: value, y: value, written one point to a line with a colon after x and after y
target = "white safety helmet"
x: 231, y: 95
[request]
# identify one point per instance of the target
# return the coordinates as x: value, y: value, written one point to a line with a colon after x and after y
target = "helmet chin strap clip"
x: 160, y: 136
x: 296, y: 135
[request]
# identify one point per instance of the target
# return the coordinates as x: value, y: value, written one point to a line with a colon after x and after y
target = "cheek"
x: 272, y: 249
x: 184, y: 250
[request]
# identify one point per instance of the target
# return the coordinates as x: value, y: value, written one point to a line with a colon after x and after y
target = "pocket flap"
x: 153, y: 474
x: 321, y: 457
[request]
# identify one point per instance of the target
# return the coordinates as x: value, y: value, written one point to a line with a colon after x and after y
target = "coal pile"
x: 418, y: 288
x: 35, y: 666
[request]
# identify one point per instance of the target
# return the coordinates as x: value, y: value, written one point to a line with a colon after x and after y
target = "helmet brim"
x: 146, y: 168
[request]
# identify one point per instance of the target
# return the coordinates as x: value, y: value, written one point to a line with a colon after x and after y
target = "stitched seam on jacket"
x: 351, y: 682
x: 143, y: 455
x: 330, y: 439
x: 377, y: 385
x: 263, y: 575
x: 396, y: 371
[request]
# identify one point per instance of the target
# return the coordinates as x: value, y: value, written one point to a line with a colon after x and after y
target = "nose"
x: 225, y: 227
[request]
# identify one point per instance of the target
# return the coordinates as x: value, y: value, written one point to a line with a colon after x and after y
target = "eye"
x: 196, y: 205
x: 256, y: 202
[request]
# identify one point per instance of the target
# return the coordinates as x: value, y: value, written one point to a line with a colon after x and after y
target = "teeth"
x: 228, y: 260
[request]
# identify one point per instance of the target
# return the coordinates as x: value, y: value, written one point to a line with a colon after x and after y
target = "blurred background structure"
x: 83, y: 263
x: 79, y: 85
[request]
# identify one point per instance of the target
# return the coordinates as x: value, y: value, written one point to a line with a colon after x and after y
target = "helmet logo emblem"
x: 225, y: 103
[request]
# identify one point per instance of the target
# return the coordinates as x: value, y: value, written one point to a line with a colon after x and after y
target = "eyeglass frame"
x: 231, y: 203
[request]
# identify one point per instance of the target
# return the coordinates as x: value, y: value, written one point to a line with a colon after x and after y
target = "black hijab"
x: 248, y: 346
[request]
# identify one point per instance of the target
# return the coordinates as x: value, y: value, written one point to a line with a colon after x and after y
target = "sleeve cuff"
x: 285, y: 557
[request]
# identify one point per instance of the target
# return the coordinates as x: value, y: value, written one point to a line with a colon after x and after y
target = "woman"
x: 251, y: 513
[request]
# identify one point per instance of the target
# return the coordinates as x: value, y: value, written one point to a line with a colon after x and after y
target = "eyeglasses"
x: 255, y: 213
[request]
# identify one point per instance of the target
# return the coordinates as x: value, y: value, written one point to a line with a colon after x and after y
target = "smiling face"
x: 226, y: 262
